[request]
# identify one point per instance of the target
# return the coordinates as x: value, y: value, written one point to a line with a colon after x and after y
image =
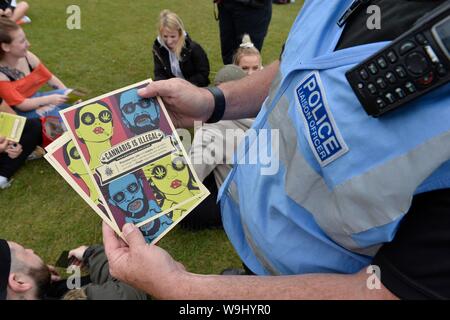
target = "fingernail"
x: 141, y: 92
x: 127, y: 229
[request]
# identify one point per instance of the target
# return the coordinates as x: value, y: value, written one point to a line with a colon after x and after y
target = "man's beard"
x: 146, y: 128
x: 141, y: 213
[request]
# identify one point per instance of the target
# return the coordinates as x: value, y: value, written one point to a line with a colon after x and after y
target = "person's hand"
x: 42, y: 111
x: 8, y: 12
x: 56, y: 99
x: 54, y: 273
x: 77, y: 256
x: 185, y: 102
x: 3, y: 144
x: 14, y: 150
x: 148, y: 268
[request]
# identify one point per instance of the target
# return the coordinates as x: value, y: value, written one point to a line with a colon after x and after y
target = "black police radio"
x: 412, y: 65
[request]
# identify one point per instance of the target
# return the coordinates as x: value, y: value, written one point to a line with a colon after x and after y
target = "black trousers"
x: 207, y: 214
x: 31, y: 137
x: 236, y: 19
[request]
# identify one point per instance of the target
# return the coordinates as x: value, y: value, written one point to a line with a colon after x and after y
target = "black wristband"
x: 219, y: 104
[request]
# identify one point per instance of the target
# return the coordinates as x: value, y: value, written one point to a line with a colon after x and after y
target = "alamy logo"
x: 215, y: 146
x: 374, y: 279
x: 73, y: 21
x: 323, y: 134
x: 74, y: 280
x: 374, y: 20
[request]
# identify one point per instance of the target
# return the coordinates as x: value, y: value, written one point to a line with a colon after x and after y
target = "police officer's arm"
x: 187, y: 103
x: 153, y: 270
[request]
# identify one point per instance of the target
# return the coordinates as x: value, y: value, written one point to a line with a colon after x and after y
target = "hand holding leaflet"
x: 133, y: 162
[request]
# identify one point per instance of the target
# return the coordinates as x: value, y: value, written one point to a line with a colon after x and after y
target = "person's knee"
x: 23, y: 5
x: 33, y: 129
x: 33, y: 125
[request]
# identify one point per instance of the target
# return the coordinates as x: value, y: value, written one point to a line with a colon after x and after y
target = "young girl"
x: 213, y: 167
x: 247, y: 56
x: 175, y: 54
x: 22, y: 75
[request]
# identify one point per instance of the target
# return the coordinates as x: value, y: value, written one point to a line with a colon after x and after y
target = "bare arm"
x: 55, y: 83
x: 152, y: 270
x: 298, y: 287
x: 187, y: 103
x: 36, y: 103
x: 245, y: 97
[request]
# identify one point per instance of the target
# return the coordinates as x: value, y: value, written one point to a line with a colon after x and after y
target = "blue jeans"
x: 32, y: 114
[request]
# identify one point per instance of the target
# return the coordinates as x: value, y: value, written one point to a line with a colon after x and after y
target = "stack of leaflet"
x: 123, y: 156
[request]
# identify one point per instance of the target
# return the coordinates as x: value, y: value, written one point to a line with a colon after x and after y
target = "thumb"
x: 155, y: 88
x: 133, y: 235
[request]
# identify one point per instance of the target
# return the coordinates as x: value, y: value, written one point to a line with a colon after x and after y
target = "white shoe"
x: 5, y: 183
x: 24, y: 20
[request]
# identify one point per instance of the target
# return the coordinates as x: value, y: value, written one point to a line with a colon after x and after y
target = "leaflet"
x: 11, y: 126
x: 127, y: 161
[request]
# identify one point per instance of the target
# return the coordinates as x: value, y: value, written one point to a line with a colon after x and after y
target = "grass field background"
x: 111, y: 50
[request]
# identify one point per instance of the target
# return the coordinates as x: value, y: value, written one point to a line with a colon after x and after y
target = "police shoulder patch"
x: 322, y: 132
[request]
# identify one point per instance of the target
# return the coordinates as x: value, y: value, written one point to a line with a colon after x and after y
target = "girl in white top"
x: 211, y: 150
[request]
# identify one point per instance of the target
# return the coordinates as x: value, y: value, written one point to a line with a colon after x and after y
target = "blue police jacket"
x: 343, y: 180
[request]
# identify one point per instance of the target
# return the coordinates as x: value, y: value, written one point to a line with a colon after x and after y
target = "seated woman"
x: 13, y: 155
x: 22, y: 75
x: 176, y: 55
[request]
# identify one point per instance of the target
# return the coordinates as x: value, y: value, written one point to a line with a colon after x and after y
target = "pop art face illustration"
x: 139, y: 115
x: 170, y: 175
x: 93, y: 123
x: 155, y: 228
x: 73, y: 160
x: 128, y: 195
x: 76, y: 166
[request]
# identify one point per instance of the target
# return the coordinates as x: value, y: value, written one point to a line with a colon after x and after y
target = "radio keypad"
x: 391, y: 77
x: 372, y: 68
x: 363, y: 74
x: 408, y: 68
x: 400, y: 71
x: 415, y: 63
x: 407, y: 47
x: 421, y: 39
x: 392, y: 57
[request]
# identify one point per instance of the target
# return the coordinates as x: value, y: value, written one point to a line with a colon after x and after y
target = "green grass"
x: 112, y: 50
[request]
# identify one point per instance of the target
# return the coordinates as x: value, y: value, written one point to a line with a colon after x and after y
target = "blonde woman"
x: 176, y: 55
